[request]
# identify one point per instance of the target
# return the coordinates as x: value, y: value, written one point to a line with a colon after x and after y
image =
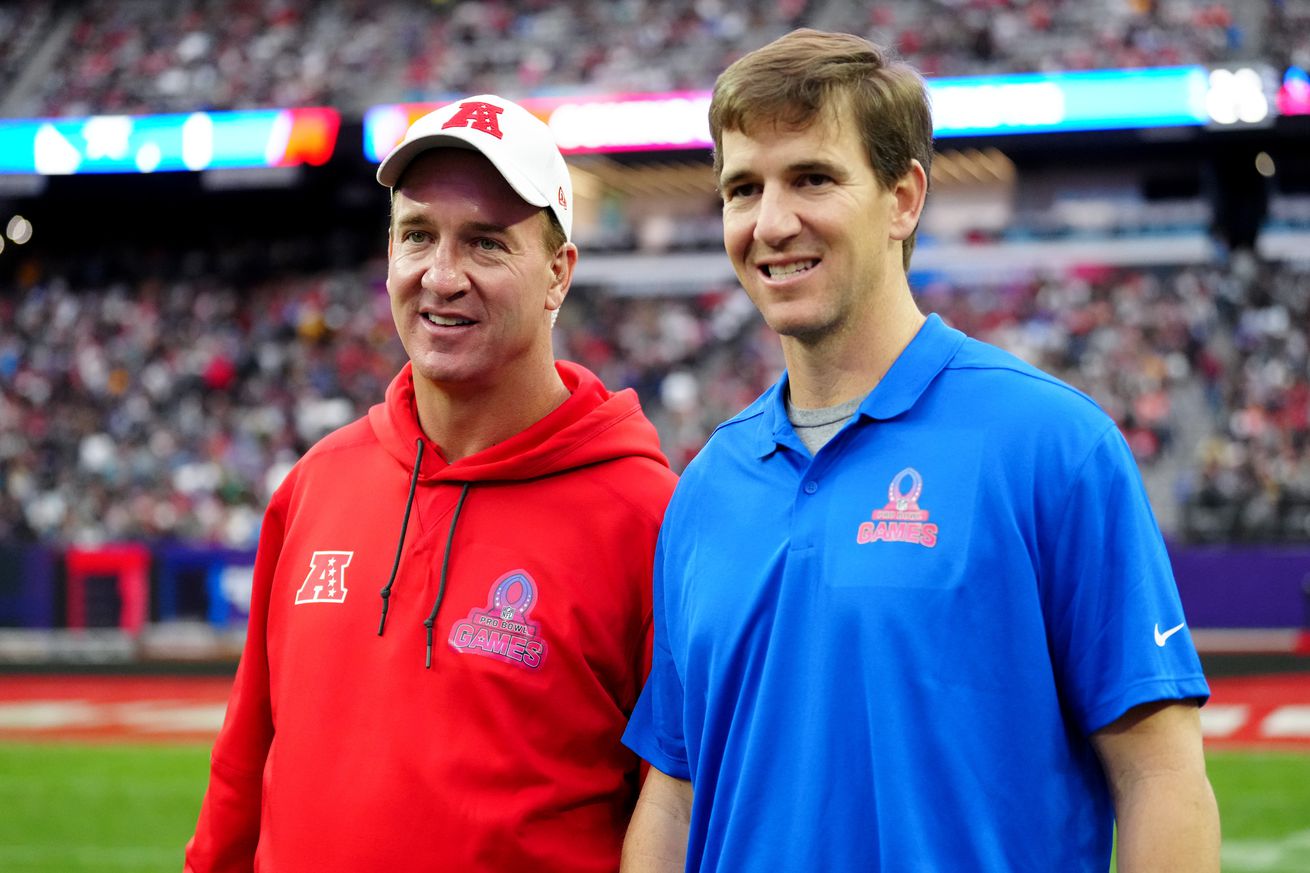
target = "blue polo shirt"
x: 889, y: 656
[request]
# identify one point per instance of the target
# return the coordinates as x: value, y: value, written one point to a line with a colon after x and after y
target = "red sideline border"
x: 1270, y: 711
x: 1258, y: 711
x: 141, y: 709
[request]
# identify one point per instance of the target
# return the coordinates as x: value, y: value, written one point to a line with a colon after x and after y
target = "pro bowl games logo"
x: 503, y: 630
x: 902, y: 520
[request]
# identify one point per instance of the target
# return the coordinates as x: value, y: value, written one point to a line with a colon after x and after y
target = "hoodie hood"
x: 592, y: 426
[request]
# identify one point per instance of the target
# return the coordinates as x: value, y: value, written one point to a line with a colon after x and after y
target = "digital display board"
x: 163, y: 143
x: 968, y: 106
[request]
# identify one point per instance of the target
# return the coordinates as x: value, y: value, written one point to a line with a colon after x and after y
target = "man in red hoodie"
x: 506, y: 506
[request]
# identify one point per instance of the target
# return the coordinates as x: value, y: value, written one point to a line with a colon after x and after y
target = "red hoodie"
x: 343, y: 751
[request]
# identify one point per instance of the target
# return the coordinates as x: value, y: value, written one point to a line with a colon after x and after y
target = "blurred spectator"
x: 141, y: 56
x: 23, y: 26
x: 136, y: 56
x: 168, y: 401
x: 171, y: 404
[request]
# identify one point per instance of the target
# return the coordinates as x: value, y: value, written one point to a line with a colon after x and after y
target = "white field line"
x: 1285, y: 855
x: 97, y: 857
x: 1288, y: 721
x: 1223, y: 720
x: 50, y: 715
x: 147, y: 717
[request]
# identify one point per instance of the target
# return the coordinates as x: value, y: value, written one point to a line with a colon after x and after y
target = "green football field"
x: 70, y: 808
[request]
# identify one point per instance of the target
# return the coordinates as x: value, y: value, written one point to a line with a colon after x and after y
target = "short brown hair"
x: 553, y: 236
x: 796, y: 77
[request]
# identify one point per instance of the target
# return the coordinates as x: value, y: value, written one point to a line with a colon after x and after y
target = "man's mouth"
x: 446, y: 320
x: 784, y: 271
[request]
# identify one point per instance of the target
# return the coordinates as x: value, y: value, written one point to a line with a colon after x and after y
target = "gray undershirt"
x: 816, y: 426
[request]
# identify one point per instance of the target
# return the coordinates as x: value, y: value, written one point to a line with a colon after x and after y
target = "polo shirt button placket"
x: 811, y: 486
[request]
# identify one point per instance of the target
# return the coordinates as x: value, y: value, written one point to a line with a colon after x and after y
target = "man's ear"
x: 908, y: 196
x: 561, y: 275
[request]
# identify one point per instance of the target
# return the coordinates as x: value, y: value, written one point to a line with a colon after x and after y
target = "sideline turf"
x: 117, y: 808
x: 1264, y: 807
x: 73, y: 808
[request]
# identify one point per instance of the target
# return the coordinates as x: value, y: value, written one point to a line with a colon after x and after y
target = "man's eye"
x: 415, y: 236
x: 487, y: 244
x: 746, y: 189
x: 814, y: 179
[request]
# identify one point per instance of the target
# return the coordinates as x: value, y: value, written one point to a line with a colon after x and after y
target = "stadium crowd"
x: 1288, y: 29
x: 170, y: 404
x: 135, y: 56
x: 164, y: 403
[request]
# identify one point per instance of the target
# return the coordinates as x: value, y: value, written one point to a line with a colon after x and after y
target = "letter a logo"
x: 326, y: 580
x: 479, y: 116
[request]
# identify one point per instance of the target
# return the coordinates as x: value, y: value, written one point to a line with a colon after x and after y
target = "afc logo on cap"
x: 479, y: 116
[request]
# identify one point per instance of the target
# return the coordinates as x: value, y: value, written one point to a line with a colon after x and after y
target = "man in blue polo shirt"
x: 913, y: 612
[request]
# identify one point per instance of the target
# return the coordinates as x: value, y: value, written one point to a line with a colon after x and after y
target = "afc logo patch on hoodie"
x: 326, y: 580
x: 503, y: 629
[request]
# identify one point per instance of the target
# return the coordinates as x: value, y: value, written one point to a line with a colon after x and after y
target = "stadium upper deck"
x: 143, y: 56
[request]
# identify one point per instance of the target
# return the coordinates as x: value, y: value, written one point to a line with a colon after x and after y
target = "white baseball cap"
x: 519, y: 145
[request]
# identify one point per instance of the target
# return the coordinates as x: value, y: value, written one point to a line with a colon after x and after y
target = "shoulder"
x: 637, y: 487
x: 994, y: 386
x: 1037, y: 433
x: 979, y: 360
x: 637, y: 474
x: 743, y: 430
x: 347, y: 436
x: 728, y: 460
x: 756, y: 410
x: 329, y: 454
x: 732, y: 441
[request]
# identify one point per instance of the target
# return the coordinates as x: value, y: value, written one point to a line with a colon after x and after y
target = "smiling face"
x: 471, y: 282
x: 815, y: 239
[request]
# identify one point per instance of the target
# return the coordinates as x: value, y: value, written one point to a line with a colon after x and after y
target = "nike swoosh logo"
x: 1162, y: 638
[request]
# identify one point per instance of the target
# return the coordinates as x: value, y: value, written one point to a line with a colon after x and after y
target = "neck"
x: 464, y: 420
x: 850, y: 361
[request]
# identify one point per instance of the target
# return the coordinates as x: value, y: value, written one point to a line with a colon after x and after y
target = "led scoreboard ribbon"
x: 976, y: 106
x: 162, y: 143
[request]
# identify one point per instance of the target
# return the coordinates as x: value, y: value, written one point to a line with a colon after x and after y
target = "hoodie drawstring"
x: 445, y: 565
x: 404, y: 526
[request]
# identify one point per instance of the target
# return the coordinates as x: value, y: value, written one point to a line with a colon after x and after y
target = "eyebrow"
x: 799, y: 168
x: 487, y: 227
x: 419, y: 220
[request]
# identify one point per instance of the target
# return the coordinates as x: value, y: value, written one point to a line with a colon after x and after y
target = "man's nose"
x: 444, y: 274
x: 777, y: 219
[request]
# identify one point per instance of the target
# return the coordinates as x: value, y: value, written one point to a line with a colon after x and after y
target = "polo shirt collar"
x: 910, y: 375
